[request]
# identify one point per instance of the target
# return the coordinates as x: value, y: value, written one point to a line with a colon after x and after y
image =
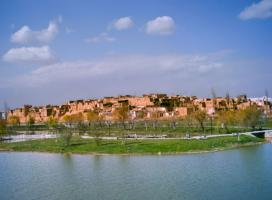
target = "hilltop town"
x: 139, y: 107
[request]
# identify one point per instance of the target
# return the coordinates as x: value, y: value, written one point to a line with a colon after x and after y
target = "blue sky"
x: 53, y: 51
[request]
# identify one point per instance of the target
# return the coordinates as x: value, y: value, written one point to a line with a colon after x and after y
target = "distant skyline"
x: 55, y: 51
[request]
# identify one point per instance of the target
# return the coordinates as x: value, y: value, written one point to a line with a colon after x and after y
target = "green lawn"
x: 83, y: 146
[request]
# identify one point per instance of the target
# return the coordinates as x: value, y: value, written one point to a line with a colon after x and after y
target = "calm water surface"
x: 236, y: 174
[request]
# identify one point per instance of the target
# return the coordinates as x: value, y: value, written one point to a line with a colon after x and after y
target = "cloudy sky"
x: 54, y: 51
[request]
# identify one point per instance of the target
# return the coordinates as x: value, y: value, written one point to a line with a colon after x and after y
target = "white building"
x: 2, y: 115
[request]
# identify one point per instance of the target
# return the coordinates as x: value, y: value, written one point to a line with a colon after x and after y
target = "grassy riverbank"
x: 86, y: 146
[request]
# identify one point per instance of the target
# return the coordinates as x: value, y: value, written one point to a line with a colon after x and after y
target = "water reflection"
x: 236, y: 174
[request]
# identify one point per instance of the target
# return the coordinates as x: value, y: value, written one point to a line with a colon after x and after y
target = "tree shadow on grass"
x: 79, y: 144
x: 108, y: 143
x: 133, y: 142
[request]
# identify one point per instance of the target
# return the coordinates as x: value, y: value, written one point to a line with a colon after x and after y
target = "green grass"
x: 84, y: 146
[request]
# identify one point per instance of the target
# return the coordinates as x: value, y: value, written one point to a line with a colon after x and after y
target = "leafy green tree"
x: 66, y: 134
x: 74, y: 119
x: 226, y: 119
x: 52, y: 123
x: 250, y: 117
x: 31, y: 123
x: 68, y: 120
x: 14, y: 121
x: 3, y: 127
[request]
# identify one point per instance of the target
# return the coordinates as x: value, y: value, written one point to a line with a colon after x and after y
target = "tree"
x: 109, y: 124
x: 30, y: 123
x: 52, y: 123
x: 101, y: 120
x: 74, y: 119
x: 121, y: 115
x: 154, y: 117
x: 66, y: 134
x: 188, y: 120
x: 78, y: 119
x: 228, y: 98
x: 250, y: 117
x: 173, y: 122
x: 92, y: 117
x: 227, y: 118
x: 141, y: 115
x: 68, y: 120
x: 14, y: 121
x: 3, y: 127
x: 200, y: 116
x: 214, y: 98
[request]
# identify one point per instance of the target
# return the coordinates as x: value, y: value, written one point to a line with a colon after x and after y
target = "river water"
x: 244, y: 173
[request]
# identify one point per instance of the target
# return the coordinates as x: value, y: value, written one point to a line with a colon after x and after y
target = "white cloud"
x: 29, y: 54
x: 27, y: 36
x: 102, y: 37
x: 125, y: 65
x: 164, y: 25
x: 261, y: 10
x: 123, y: 23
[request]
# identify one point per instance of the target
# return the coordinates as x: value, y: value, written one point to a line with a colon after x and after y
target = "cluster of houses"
x: 139, y: 107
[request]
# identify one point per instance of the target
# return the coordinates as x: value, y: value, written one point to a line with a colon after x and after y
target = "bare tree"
x: 200, y: 116
x: 213, y: 98
x: 188, y: 124
x: 92, y: 118
x: 121, y: 115
x: 213, y: 93
x: 155, y: 117
x: 142, y: 115
x: 228, y: 98
x: 109, y: 124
